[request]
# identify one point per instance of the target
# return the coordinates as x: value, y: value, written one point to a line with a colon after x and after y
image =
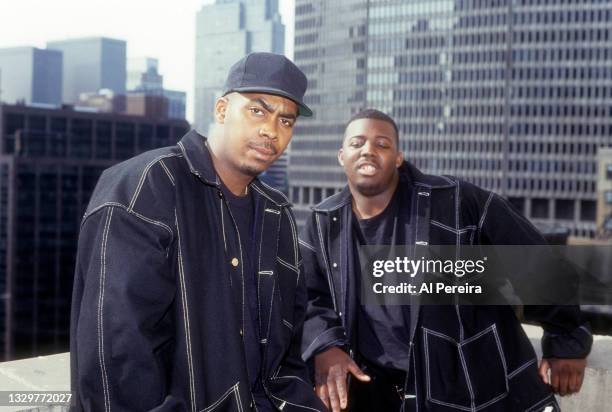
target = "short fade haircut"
x: 376, y: 115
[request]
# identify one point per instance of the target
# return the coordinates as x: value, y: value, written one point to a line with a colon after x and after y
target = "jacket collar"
x: 196, y: 153
x: 409, y: 174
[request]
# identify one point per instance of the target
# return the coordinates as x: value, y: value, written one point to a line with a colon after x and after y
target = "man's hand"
x: 331, y: 368
x: 566, y: 375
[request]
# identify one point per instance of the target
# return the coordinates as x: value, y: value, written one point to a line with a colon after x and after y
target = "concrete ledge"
x: 53, y: 373
x: 596, y: 392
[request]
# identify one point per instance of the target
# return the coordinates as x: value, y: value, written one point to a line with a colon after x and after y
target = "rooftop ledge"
x: 52, y: 373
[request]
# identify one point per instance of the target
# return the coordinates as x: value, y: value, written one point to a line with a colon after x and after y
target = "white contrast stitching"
x: 307, y: 245
x: 185, y: 315
x: 521, y: 368
x: 282, y: 195
x: 295, y: 235
x: 500, y: 349
x: 287, y: 265
x: 144, y: 175
x: 467, y: 376
x: 295, y: 404
x: 484, y: 212
x: 138, y: 215
x: 327, y: 270
x: 548, y: 398
x: 163, y: 165
x: 450, y: 229
x: 221, y: 398
x: 109, y: 215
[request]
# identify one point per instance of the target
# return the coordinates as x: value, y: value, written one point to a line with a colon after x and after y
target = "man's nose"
x: 269, y: 129
x: 367, y: 148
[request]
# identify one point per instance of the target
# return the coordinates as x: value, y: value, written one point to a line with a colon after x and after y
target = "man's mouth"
x: 263, y: 152
x: 367, y: 169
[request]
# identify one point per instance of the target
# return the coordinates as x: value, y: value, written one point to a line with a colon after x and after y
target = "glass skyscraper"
x: 512, y: 95
x: 91, y: 64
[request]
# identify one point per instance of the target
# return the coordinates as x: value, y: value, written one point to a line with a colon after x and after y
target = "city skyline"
x: 167, y: 33
x: 513, y: 96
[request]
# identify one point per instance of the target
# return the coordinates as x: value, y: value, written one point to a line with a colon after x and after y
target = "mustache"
x: 264, y: 145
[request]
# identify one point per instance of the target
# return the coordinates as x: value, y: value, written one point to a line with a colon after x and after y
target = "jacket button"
x: 235, y: 262
x: 241, y: 332
x: 334, y: 218
x: 335, y: 265
x: 220, y: 193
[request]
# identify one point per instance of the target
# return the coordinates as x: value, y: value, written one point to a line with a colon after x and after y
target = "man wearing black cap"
x: 187, y: 293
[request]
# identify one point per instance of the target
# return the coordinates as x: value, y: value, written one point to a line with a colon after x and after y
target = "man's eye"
x: 356, y: 143
x: 256, y: 111
x: 286, y: 122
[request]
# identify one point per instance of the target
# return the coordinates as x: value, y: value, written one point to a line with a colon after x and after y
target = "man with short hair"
x: 187, y: 294
x: 415, y: 357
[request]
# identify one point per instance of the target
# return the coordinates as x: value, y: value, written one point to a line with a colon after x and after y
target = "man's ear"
x: 221, y: 106
x: 341, y: 157
x: 399, y: 159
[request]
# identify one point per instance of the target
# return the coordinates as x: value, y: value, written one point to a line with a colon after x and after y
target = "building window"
x: 609, y: 171
x: 608, y: 197
x: 539, y: 208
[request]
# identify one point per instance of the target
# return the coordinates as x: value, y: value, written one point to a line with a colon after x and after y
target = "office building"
x: 514, y: 96
x: 50, y: 161
x: 604, y: 193
x: 29, y: 75
x: 91, y: 64
x: 176, y: 103
x: 143, y: 78
x: 142, y: 74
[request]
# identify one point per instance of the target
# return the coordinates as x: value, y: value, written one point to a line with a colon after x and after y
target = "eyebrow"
x: 271, y: 109
x: 378, y: 136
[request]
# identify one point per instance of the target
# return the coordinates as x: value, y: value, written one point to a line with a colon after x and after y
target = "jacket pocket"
x: 467, y: 375
x: 228, y: 402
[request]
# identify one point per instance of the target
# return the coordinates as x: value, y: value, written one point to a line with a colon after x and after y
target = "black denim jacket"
x: 159, y: 300
x: 464, y: 357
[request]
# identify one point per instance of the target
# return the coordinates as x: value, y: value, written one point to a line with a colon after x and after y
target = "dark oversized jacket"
x: 468, y: 358
x: 158, y: 306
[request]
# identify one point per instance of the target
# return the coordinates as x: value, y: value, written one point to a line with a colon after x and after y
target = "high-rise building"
x: 604, y: 193
x: 50, y: 161
x: 176, y: 103
x: 142, y: 74
x: 91, y: 64
x: 226, y: 31
x: 143, y: 79
x: 512, y: 95
x: 30, y: 75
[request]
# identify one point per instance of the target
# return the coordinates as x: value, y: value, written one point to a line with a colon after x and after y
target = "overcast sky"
x: 164, y: 29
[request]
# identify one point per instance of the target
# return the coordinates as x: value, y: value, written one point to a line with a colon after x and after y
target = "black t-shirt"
x: 383, y: 330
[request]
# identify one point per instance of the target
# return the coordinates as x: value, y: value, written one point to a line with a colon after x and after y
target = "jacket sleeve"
x: 121, y: 331
x: 322, y: 327
x: 566, y: 335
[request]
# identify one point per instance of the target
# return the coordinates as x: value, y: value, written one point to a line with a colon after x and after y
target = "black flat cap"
x: 271, y: 74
